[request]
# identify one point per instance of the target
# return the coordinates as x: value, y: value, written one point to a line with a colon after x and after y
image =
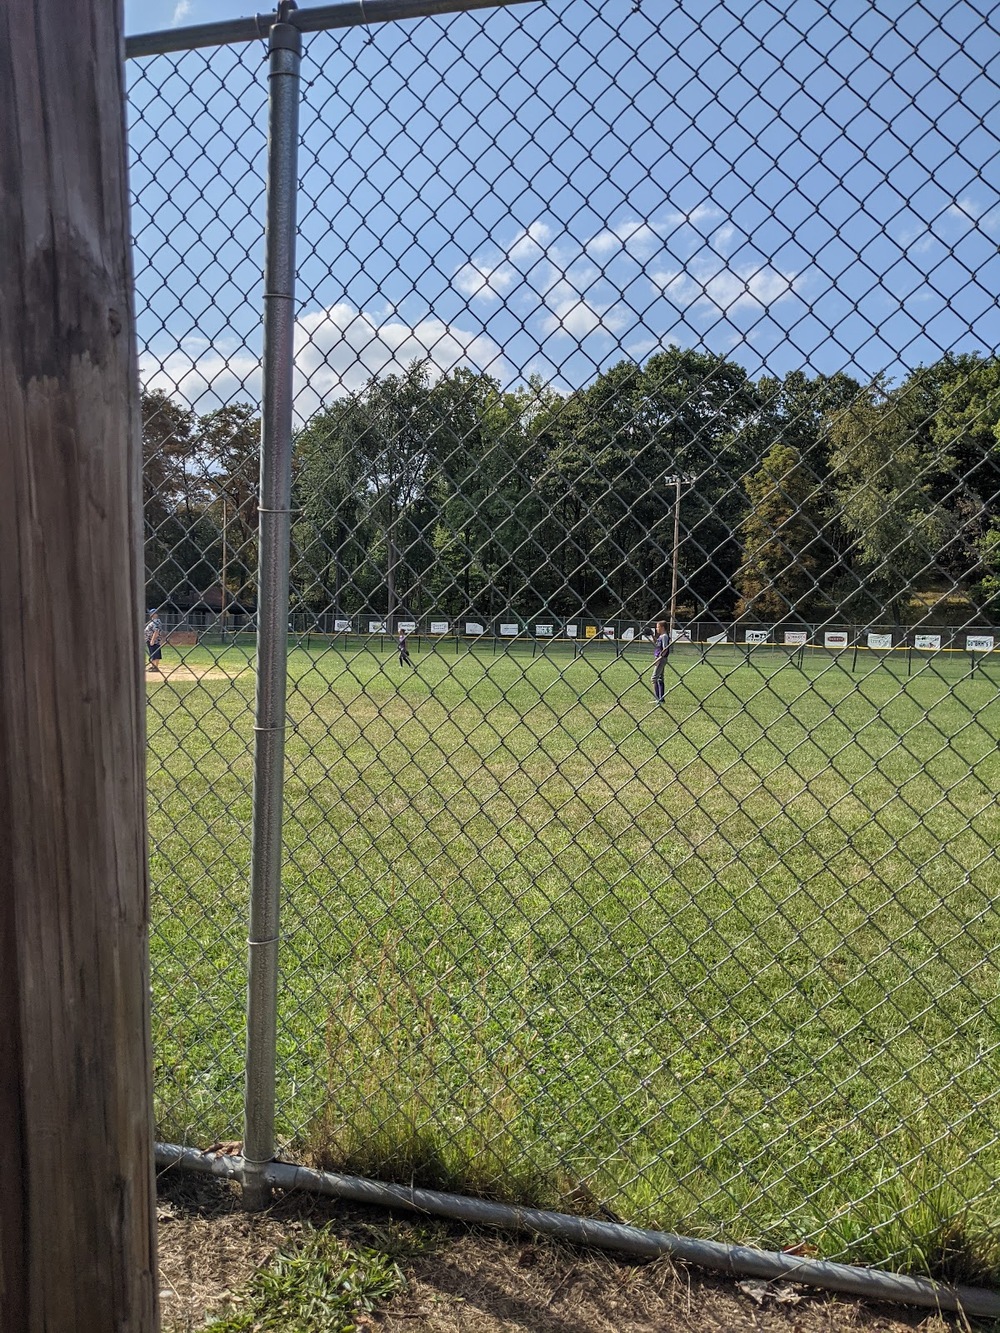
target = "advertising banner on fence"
x: 407, y: 626
x: 628, y: 634
x: 341, y: 627
x: 439, y: 627
x: 927, y: 641
x: 718, y: 638
x: 474, y: 627
x: 590, y: 631
x: 608, y: 631
x: 376, y: 627
x: 795, y: 638
x: 835, y: 638
x: 571, y: 631
x: 979, y: 643
x: 544, y: 631
x: 681, y: 636
x: 879, y: 640
x: 509, y: 631
x: 757, y: 636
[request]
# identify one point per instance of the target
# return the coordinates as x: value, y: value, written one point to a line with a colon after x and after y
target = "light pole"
x: 225, y: 562
x: 678, y: 480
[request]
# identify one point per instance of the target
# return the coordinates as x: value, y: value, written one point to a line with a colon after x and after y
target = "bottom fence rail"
x: 868, y: 1283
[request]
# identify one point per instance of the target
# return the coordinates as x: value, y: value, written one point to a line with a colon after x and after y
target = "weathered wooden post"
x: 77, y: 1240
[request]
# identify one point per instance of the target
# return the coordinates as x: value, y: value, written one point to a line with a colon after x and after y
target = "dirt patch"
x: 183, y: 671
x: 461, y: 1281
x: 485, y: 1284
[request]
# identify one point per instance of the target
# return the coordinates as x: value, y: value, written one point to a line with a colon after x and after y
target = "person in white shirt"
x: 154, y: 639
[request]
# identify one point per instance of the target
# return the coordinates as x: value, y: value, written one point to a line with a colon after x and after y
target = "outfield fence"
x: 483, y: 354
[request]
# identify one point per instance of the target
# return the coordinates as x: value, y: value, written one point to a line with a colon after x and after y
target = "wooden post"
x: 77, y: 1239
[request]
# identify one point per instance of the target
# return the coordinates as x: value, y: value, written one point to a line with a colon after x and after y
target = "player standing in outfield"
x: 404, y: 652
x: 661, y: 651
x: 154, y: 639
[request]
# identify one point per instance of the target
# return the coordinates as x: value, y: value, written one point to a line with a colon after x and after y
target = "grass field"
x: 726, y: 967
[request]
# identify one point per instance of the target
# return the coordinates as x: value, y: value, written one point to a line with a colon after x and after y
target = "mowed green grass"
x: 726, y: 967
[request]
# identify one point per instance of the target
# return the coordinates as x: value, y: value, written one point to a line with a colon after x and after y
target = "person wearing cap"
x: 154, y: 639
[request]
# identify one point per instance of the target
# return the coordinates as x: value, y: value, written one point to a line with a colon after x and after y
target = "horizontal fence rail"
x: 317, y: 18
x: 635, y: 830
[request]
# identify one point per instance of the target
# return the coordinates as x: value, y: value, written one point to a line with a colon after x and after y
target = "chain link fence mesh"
x: 617, y: 331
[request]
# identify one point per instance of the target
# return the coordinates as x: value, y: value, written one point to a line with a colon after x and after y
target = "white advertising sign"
x: 439, y: 627
x: 756, y: 636
x: 608, y: 631
x: 474, y: 627
x: 628, y: 635
x: 408, y: 626
x: 718, y: 638
x: 681, y: 636
x: 879, y: 640
x: 979, y: 643
x: 509, y: 631
x: 341, y: 626
x: 927, y: 641
x: 835, y: 639
x: 376, y: 627
x: 795, y: 638
x: 544, y: 631
x: 571, y: 631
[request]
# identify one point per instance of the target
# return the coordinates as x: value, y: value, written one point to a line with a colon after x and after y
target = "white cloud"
x: 604, y: 243
x: 570, y: 314
x: 676, y: 286
x: 703, y: 216
x: 966, y: 209
x: 916, y: 238
x: 182, y: 10
x: 634, y: 237
x: 730, y: 289
x: 969, y: 210
x: 340, y: 349
x: 476, y: 280
x: 723, y: 237
x: 530, y: 245
x: 336, y: 351
x: 638, y: 350
x: 205, y: 380
x: 489, y: 281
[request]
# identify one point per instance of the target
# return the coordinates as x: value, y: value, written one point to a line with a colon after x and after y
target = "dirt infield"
x: 188, y: 671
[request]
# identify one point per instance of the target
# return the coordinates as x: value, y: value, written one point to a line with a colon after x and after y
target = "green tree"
x: 229, y: 455
x: 797, y: 411
x: 169, y: 492
x: 365, y: 470
x: 169, y: 447
x: 488, y: 541
x: 613, y: 448
x: 965, y: 429
x: 778, y: 573
x: 887, y: 471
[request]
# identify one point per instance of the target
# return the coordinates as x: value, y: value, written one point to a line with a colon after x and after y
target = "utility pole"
x: 225, y: 562
x: 678, y: 480
x: 77, y: 1222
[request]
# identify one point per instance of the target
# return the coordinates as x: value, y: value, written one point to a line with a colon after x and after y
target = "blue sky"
x: 546, y: 189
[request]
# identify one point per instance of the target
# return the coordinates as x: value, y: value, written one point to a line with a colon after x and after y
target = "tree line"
x: 805, y: 496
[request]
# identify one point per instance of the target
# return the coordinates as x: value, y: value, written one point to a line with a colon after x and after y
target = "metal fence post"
x: 285, y: 52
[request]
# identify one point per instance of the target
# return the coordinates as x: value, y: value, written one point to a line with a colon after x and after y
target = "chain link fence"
x: 643, y: 635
